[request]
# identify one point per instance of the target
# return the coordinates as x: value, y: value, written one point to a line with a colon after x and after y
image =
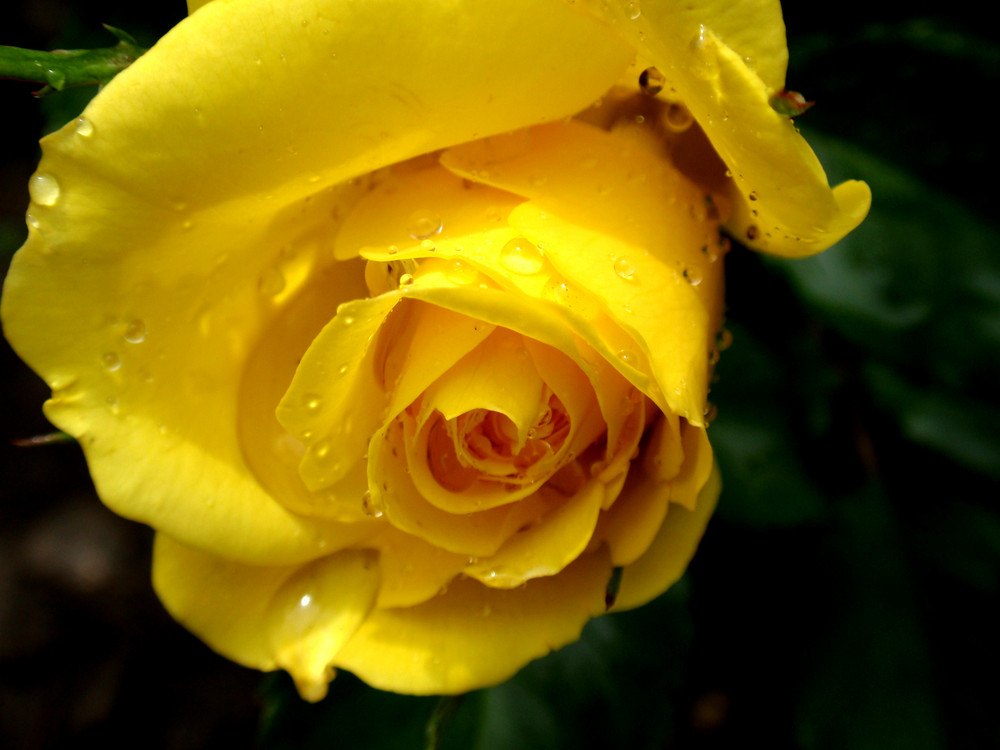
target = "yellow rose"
x: 399, y: 341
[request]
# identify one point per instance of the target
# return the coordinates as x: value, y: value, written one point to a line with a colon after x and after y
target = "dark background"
x: 845, y: 593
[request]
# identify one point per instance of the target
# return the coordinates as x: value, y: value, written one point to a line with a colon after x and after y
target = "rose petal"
x: 723, y: 61
x: 635, y: 243
x: 670, y: 552
x: 295, y: 618
x: 144, y: 229
x: 412, y: 571
x: 474, y: 534
x: 474, y: 635
x: 546, y: 547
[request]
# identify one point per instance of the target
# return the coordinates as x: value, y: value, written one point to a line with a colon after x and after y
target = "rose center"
x: 485, y: 445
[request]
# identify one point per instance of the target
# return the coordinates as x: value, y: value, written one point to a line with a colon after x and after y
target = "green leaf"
x: 764, y: 478
x: 871, y: 687
x: 616, y: 687
x: 916, y: 288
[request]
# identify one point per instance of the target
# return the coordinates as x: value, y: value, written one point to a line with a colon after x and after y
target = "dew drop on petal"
x: 629, y: 357
x: 459, y: 272
x: 724, y: 339
x: 369, y: 507
x: 32, y: 220
x: 423, y: 223
x: 135, y: 332
x: 44, y: 189
x: 703, y: 63
x: 271, y: 282
x: 312, y: 401
x: 521, y: 256
x: 711, y: 412
x: 634, y: 11
x: 753, y: 232
x: 625, y: 269
x: 692, y: 275
x: 677, y: 117
x: 111, y: 361
x: 406, y: 279
x: 753, y: 195
x: 651, y: 81
x: 84, y: 127
x: 322, y: 450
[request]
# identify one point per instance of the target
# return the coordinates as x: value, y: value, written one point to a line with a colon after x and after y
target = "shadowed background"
x: 844, y: 595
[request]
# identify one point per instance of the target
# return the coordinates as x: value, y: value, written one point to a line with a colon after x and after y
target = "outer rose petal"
x: 475, y: 635
x: 176, y: 207
x: 723, y: 60
x: 293, y: 617
x: 672, y: 549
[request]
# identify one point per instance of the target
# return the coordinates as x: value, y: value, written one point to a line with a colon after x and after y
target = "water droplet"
x: 625, y: 269
x: 423, y: 224
x: 32, y: 220
x: 84, y: 127
x: 460, y: 272
x: 634, y: 11
x: 724, y: 339
x: 392, y: 249
x: 428, y: 246
x: 135, y: 332
x: 651, y: 81
x: 347, y: 320
x: 369, y: 507
x: 112, y: 403
x: 713, y: 356
x: 693, y: 275
x: 111, y: 361
x: 342, y: 370
x: 44, y: 189
x: 406, y: 279
x: 629, y: 357
x: 703, y: 63
x: 322, y: 450
x: 677, y: 117
x: 312, y: 401
x: 521, y: 256
x: 753, y: 232
x: 753, y: 195
x: 271, y: 282
x: 711, y: 412
x: 561, y: 293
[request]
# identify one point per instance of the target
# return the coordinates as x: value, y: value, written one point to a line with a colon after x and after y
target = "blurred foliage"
x: 844, y: 597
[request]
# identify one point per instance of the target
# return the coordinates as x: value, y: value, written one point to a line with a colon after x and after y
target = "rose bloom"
x: 396, y: 318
